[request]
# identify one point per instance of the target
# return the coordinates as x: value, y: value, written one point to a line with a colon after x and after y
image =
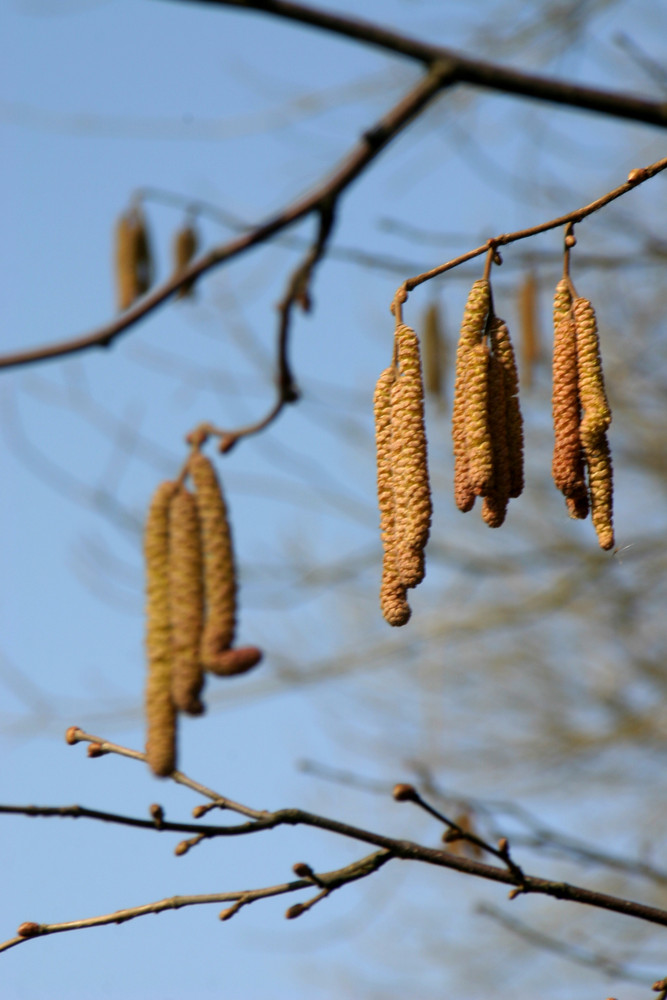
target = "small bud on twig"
x: 28, y: 929
x: 73, y: 735
x: 157, y: 813
x: 405, y: 793
x: 295, y: 911
x: 303, y: 870
x: 182, y: 848
x: 95, y: 750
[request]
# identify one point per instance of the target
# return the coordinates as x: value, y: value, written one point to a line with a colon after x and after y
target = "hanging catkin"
x: 186, y: 599
x: 134, y: 263
x: 160, y: 709
x: 504, y: 354
x: 434, y: 352
x: 412, y: 493
x: 393, y: 602
x: 595, y: 421
x: 496, y: 497
x: 529, y: 336
x: 219, y: 568
x: 568, y: 457
x: 184, y: 248
x: 465, y: 416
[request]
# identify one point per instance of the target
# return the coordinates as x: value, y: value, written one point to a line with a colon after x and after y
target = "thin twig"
x: 636, y: 177
x: 332, y: 880
x: 264, y: 820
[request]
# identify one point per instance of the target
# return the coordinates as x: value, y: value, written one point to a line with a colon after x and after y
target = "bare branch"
x: 323, y: 198
x: 477, y: 72
x: 330, y: 880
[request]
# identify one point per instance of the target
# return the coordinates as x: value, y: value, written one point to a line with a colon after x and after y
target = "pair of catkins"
x: 134, y: 257
x: 191, y: 605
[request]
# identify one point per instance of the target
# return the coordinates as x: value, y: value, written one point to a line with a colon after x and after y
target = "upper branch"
x: 322, y: 199
x: 491, y: 76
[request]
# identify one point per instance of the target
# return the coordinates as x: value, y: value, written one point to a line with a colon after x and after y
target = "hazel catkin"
x: 409, y: 465
x: 568, y: 459
x: 393, y: 601
x: 186, y: 601
x: 185, y: 246
x: 134, y: 260
x: 595, y: 421
x: 160, y: 709
x: 504, y: 354
x: 219, y: 567
x: 470, y: 339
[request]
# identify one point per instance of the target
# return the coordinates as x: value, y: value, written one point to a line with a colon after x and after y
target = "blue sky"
x: 98, y: 99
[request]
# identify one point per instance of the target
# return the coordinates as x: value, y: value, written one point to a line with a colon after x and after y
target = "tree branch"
x: 490, y: 76
x: 322, y: 199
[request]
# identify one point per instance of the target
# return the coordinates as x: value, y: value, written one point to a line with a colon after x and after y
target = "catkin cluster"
x: 404, y: 495
x: 134, y: 259
x: 190, y: 607
x: 581, y: 415
x: 487, y: 426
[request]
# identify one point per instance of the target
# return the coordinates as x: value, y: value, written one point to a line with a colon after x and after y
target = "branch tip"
x: 403, y: 792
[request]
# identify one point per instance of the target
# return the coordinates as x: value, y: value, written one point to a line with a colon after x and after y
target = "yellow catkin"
x: 472, y: 331
x: 409, y: 466
x: 134, y: 266
x: 530, y: 340
x: 393, y: 603
x: 160, y: 709
x: 568, y: 460
x: 497, y: 495
x: 597, y: 414
x: 600, y: 485
x: 595, y: 421
x: 219, y: 568
x: 186, y: 597
x: 185, y: 246
x: 434, y: 352
x: 478, y: 435
x: 504, y: 352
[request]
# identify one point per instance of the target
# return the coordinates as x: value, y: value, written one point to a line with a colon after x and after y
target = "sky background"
x: 98, y: 99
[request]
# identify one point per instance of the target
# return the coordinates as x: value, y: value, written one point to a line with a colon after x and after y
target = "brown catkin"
x: 434, y: 352
x: 530, y: 339
x: 219, y: 568
x: 134, y: 265
x: 235, y: 661
x: 497, y: 496
x: 472, y: 331
x: 504, y: 352
x: 160, y: 709
x: 393, y: 603
x: 185, y: 246
x: 568, y: 460
x: 409, y: 466
x: 186, y: 597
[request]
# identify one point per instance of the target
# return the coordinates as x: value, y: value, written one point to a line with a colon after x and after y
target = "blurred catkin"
x: 568, y: 459
x: 160, y: 709
x: 409, y: 466
x: 230, y: 662
x: 528, y: 327
x: 219, y: 568
x: 134, y: 262
x: 393, y: 603
x: 185, y: 247
x: 470, y: 338
x: 434, y: 348
x: 186, y: 597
